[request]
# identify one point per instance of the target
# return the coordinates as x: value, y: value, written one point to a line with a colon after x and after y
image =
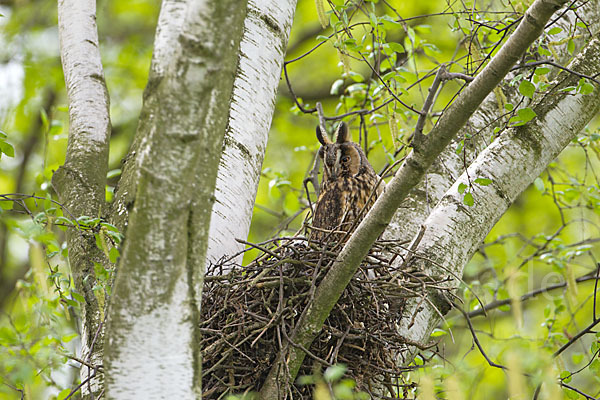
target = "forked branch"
x: 409, y: 174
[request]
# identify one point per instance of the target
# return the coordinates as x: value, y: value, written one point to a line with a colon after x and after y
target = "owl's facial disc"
x: 337, y: 166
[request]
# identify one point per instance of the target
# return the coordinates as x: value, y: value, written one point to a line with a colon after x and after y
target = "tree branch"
x: 252, y: 105
x: 452, y: 225
x: 80, y: 182
x: 499, y: 303
x: 410, y: 173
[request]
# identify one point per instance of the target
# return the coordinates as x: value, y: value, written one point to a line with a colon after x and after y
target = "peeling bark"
x: 80, y: 181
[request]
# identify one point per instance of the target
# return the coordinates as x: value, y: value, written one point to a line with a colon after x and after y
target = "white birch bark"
x: 449, y: 166
x: 166, y: 46
x: 454, y: 231
x: 152, y: 347
x: 266, y: 32
x: 426, y: 148
x: 80, y: 181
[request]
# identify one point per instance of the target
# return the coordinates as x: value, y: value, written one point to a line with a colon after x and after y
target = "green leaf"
x: 305, y: 380
x: 547, y: 311
x: 462, y: 187
x: 539, y: 184
x: 595, y: 366
x: 542, y: 71
x: 387, y: 50
x: 431, y: 49
x: 350, y: 42
x: 109, y: 227
x: 571, y: 46
x: 544, y: 52
x: 77, y: 297
x: 568, y: 89
x: 397, y: 47
x: 554, y: 30
x: 438, y: 332
x: 577, y: 358
x: 44, y: 118
x: 115, y: 236
x: 113, y: 173
x: 64, y: 221
x: 423, y: 28
x: 7, y: 149
x: 101, y: 272
x: 356, y: 77
x: 571, y: 395
x: 468, y: 200
x: 526, y: 114
x: 585, y: 87
x: 483, y: 181
x: 68, y: 338
x: 88, y: 221
x: 389, y: 22
x: 345, y: 18
x: 527, y: 89
x: 63, y: 394
x: 373, y: 20
x: 565, y: 376
x: 113, y: 255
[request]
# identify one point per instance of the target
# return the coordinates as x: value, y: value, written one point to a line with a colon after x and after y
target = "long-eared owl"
x: 349, y: 186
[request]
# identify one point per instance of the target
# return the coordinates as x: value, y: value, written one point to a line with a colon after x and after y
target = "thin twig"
x: 556, y: 65
x: 476, y: 340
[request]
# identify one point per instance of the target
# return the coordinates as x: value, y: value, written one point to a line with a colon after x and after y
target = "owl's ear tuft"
x: 322, y: 137
x: 342, y: 133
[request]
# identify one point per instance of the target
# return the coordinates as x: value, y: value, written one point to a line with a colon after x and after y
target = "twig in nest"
x: 252, y: 309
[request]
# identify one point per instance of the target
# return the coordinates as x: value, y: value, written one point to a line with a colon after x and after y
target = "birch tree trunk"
x: 152, y: 349
x: 453, y: 231
x: 81, y: 180
x: 266, y: 32
x: 425, y: 152
x: 450, y: 166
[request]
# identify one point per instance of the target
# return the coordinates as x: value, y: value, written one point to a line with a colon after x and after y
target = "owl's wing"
x: 328, y: 212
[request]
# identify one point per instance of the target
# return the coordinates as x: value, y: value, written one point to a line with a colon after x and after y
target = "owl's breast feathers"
x: 343, y: 203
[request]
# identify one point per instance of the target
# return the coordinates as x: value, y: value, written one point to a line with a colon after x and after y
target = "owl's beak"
x: 336, y: 166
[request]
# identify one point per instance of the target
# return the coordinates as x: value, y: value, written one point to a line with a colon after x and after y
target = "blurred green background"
x: 549, y: 235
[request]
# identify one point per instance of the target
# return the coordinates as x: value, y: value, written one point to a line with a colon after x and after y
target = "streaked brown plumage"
x: 348, y: 181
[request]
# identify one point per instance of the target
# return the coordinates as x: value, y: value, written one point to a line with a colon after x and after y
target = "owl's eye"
x: 345, y: 159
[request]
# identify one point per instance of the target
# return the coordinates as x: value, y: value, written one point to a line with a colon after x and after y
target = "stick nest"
x: 249, y: 312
